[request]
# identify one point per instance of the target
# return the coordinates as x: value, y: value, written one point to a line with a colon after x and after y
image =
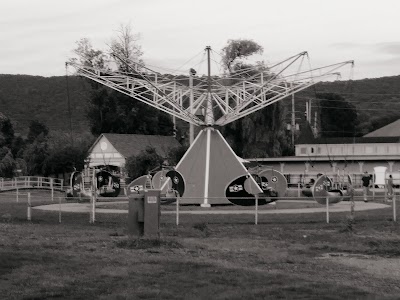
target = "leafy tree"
x: 36, y: 128
x: 88, y: 56
x: 338, y: 117
x: 143, y: 163
x: 7, y: 163
x: 238, y: 49
x: 263, y: 132
x: 110, y: 111
x: 36, y: 155
x: 6, y: 131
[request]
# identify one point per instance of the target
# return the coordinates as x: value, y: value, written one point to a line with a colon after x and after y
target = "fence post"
x: 59, y: 211
x: 17, y: 195
x: 394, y: 206
x: 352, y: 210
x: 256, y: 211
x: 52, y: 189
x: 327, y: 210
x: 177, y: 210
x: 93, y: 200
x: 298, y: 189
x: 29, y: 212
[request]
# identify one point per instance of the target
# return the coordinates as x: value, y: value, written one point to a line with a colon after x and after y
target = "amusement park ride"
x: 210, y: 172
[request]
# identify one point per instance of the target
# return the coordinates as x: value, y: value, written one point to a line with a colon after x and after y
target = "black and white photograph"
x: 199, y: 149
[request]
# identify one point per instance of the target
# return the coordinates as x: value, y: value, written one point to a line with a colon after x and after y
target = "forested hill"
x: 24, y: 98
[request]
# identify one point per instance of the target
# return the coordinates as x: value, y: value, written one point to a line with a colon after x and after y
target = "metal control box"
x: 152, y: 213
x: 144, y: 213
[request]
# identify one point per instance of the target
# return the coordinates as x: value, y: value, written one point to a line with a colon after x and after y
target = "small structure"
x: 354, y: 155
x: 111, y: 149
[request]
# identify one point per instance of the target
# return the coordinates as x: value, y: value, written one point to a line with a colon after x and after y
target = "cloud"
x: 389, y: 48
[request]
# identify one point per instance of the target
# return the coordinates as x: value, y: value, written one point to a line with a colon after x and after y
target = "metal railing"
x: 27, y: 182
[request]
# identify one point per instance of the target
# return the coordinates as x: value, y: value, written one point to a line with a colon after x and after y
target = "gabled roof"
x: 132, y: 144
x: 392, y: 129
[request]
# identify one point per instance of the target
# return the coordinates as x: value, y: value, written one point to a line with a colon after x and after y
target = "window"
x: 303, y: 150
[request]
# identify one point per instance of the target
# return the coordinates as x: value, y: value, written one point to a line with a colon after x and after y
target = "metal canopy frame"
x: 197, y: 100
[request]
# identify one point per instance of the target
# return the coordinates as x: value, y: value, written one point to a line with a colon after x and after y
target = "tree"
x: 238, y: 49
x: 338, y: 117
x: 263, y: 132
x: 36, y: 155
x: 36, y: 128
x: 110, y: 111
x: 125, y: 46
x: 143, y: 163
x: 6, y: 131
x: 7, y: 163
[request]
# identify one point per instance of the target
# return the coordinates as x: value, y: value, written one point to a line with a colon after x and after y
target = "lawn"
x: 206, y: 257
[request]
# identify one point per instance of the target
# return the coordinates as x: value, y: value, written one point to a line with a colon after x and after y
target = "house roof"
x: 392, y: 129
x: 353, y: 140
x: 132, y: 144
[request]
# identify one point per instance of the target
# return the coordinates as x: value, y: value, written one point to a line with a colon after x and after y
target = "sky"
x: 37, y: 36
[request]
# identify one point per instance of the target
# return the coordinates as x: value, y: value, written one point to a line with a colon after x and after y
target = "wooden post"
x: 177, y: 210
x: 29, y: 212
x: 394, y: 207
x: 52, y: 189
x: 352, y: 209
x: 327, y: 210
x: 256, y: 211
x: 93, y: 200
x: 298, y: 189
x: 59, y: 210
x: 17, y: 195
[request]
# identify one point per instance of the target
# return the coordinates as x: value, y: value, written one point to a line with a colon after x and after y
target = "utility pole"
x: 209, y: 118
x: 192, y: 72
x: 293, y: 125
x: 69, y: 106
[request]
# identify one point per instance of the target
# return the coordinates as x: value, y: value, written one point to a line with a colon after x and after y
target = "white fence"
x: 31, y: 182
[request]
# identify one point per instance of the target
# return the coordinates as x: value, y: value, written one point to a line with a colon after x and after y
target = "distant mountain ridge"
x: 24, y: 98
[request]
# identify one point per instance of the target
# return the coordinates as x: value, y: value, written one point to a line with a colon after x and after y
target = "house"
x: 112, y: 150
x: 352, y: 155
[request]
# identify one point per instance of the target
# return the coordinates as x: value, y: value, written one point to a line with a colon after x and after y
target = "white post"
x: 29, y: 213
x: 177, y: 210
x: 59, y: 211
x: 327, y: 210
x: 17, y: 196
x: 52, y: 189
x: 298, y: 189
x: 207, y: 169
x: 256, y: 211
x: 191, y: 126
x: 394, y: 207
x: 93, y: 201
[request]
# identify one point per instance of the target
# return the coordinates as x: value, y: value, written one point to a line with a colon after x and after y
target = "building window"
x: 312, y: 149
x: 303, y: 150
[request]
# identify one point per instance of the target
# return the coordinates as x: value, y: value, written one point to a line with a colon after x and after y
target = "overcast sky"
x: 37, y: 36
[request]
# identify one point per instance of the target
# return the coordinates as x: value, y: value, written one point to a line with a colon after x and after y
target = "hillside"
x: 24, y: 97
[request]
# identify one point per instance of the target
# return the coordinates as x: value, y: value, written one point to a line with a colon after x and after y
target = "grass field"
x: 206, y: 257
